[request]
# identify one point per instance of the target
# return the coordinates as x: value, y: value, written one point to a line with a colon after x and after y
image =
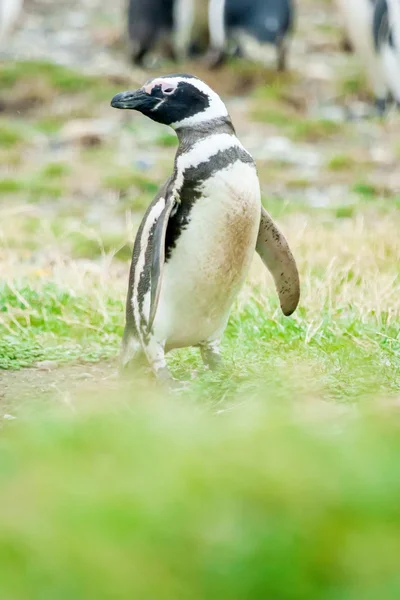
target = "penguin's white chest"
x: 211, y: 259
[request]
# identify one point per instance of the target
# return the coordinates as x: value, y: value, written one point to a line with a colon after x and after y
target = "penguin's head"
x: 175, y: 100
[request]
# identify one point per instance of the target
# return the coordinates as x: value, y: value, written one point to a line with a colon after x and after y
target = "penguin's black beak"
x: 136, y: 100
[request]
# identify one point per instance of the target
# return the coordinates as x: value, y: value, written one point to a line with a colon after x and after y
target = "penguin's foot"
x: 163, y: 376
x: 131, y: 358
x: 281, y: 58
x: 211, y: 354
x: 215, y: 58
x: 176, y: 386
x: 165, y: 379
x: 346, y: 45
x: 381, y: 106
x: 138, y: 54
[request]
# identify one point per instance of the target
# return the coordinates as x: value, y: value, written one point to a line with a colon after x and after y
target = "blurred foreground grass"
x: 161, y: 499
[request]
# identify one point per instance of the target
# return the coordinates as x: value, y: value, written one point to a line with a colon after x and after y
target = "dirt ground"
x: 54, y: 383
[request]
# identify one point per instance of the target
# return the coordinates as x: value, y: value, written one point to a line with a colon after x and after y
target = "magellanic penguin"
x: 255, y: 25
x: 386, y: 29
x: 9, y: 13
x: 174, y: 25
x: 197, y: 239
x: 358, y: 20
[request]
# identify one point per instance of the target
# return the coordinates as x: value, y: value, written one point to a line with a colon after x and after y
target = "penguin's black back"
x: 145, y: 275
x: 253, y: 15
x: 147, y: 17
x: 381, y: 26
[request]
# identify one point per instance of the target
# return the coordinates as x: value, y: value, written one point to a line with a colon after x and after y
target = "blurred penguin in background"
x: 256, y: 26
x: 175, y: 27
x: 386, y: 29
x: 358, y: 19
x: 150, y: 24
x: 9, y: 13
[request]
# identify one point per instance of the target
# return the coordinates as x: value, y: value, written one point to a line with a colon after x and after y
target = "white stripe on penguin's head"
x: 216, y: 108
x: 178, y: 100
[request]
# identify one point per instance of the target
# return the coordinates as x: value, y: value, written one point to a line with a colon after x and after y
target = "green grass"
x: 50, y: 125
x: 313, y: 130
x: 277, y: 89
x: 341, y: 162
x: 123, y: 180
x: 10, y: 136
x: 364, y: 189
x: 62, y: 79
x: 90, y: 325
x: 55, y: 170
x: 167, y: 140
x: 35, y: 188
x: 345, y: 212
x: 38, y: 188
x: 293, y: 124
x: 353, y: 83
x: 160, y: 499
x: 26, y: 87
x: 84, y: 246
x: 50, y: 322
x: 8, y: 185
x: 298, y: 183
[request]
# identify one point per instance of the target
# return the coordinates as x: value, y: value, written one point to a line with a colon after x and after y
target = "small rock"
x: 85, y: 132
x: 319, y: 71
x: 361, y: 110
x: 143, y: 164
x: 47, y: 365
x: 283, y: 149
x: 83, y: 376
x: 8, y: 417
x: 382, y: 156
x: 318, y: 198
x: 334, y: 113
x: 77, y: 19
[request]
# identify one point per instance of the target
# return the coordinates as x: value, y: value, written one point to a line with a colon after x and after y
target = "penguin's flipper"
x: 158, y: 257
x: 277, y: 257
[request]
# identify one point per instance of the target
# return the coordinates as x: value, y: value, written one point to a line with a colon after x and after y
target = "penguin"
x: 253, y: 25
x: 175, y: 25
x: 197, y: 239
x: 358, y: 19
x: 149, y: 22
x: 386, y: 31
x: 9, y: 13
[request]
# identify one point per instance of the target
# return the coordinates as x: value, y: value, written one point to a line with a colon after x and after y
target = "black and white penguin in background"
x: 357, y: 17
x: 371, y: 29
x: 9, y: 13
x: 197, y: 239
x: 172, y: 25
x: 386, y: 28
x: 255, y: 26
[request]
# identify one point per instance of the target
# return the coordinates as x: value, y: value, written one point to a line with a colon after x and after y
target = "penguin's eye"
x: 167, y: 89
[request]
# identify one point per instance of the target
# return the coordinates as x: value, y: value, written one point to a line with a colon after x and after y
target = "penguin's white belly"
x: 9, y: 12
x: 358, y: 18
x: 211, y: 259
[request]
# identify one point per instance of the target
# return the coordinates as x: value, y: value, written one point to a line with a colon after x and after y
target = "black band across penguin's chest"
x: 191, y: 190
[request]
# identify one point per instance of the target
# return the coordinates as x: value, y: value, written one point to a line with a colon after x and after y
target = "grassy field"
x: 276, y: 477
x: 74, y: 188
